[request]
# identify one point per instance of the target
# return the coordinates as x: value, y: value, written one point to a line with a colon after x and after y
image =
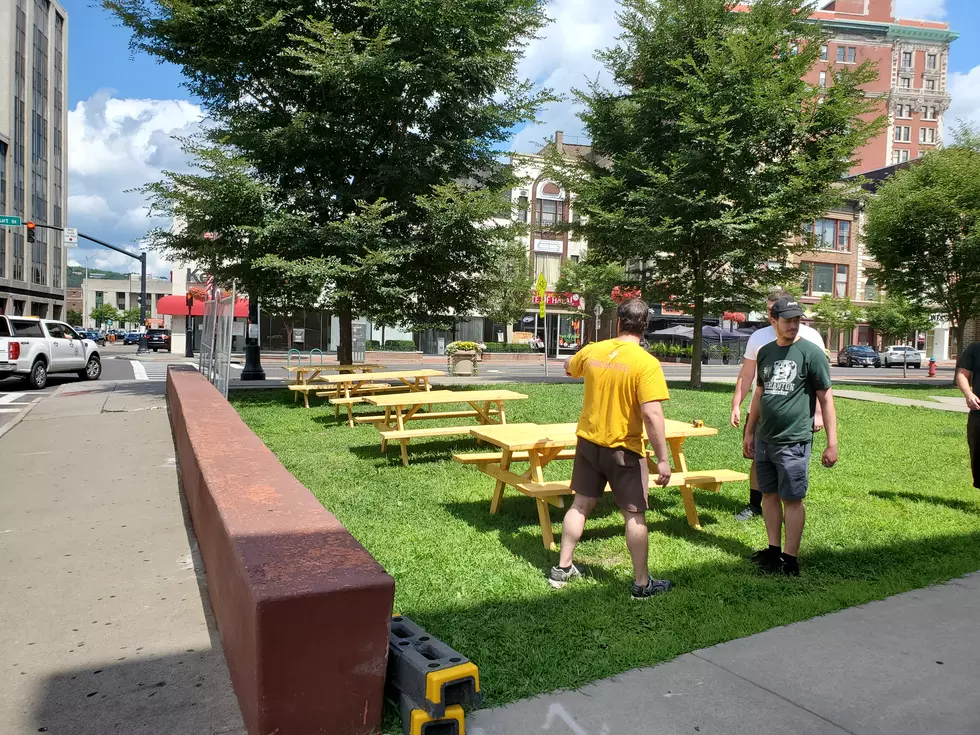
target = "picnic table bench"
x: 346, y: 390
x: 307, y: 375
x: 540, y: 444
x: 487, y: 406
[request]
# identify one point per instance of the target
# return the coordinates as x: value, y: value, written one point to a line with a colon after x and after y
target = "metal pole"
x: 546, y: 342
x: 142, y: 342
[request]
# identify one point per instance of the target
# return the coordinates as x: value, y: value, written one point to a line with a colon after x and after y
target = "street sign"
x: 10, y: 221
x: 108, y: 322
x: 597, y: 310
x: 71, y: 237
x: 541, y: 286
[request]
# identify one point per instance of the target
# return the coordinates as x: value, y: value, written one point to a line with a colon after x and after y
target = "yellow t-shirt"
x: 619, y: 377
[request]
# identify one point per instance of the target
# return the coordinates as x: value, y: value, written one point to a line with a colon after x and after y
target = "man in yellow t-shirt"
x: 624, y: 388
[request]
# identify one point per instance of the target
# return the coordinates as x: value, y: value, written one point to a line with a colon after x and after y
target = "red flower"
x: 620, y: 294
x: 734, y: 316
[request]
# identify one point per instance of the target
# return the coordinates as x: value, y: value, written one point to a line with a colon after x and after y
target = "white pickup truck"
x: 32, y: 348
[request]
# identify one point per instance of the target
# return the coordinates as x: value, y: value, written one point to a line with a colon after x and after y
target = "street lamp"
x: 189, y: 331
x: 84, y: 284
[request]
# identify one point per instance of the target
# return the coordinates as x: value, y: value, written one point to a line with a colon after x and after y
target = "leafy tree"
x: 593, y: 280
x: 509, y: 285
x: 896, y: 318
x: 923, y: 230
x: 130, y: 317
x: 104, y: 313
x: 710, y: 152
x: 74, y: 317
x: 341, y: 106
x: 836, y: 314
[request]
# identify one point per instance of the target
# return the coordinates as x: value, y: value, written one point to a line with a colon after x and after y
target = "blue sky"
x: 125, y: 108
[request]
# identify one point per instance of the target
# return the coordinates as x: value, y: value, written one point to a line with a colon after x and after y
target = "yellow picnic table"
x: 540, y: 444
x: 346, y: 390
x: 487, y: 406
x: 306, y: 374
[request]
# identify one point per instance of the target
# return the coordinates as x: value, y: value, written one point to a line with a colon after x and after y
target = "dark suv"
x: 158, y: 339
x: 861, y: 355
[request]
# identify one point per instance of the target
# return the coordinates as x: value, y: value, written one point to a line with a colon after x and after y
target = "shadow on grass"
x: 594, y: 630
x: 952, y: 503
x: 518, y: 512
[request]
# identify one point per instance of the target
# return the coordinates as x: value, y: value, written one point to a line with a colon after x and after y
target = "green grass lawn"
x: 917, y: 392
x: 897, y: 513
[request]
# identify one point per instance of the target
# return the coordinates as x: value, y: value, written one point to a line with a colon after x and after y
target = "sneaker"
x: 558, y: 577
x: 787, y: 569
x: 653, y: 587
x: 765, y: 556
x: 748, y: 514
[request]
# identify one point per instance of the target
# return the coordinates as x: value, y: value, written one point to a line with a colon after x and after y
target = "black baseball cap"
x: 787, y: 309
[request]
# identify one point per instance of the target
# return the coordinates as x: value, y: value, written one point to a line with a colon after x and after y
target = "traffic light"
x: 30, y: 232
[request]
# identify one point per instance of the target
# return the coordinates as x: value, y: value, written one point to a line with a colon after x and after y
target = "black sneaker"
x: 765, y: 556
x: 559, y: 577
x: 788, y: 568
x: 653, y: 587
x: 748, y: 513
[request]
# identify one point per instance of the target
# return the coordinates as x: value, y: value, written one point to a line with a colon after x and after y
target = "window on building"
x: 522, y: 209
x: 823, y: 52
x: 900, y: 156
x: 549, y: 264
x: 931, y: 85
x: 3, y: 208
x: 841, y: 289
x: 851, y: 54
x: 905, y: 82
x: 906, y: 59
x: 549, y: 213
x: 99, y: 298
x: 927, y: 135
x: 931, y: 61
x: 821, y: 280
x: 574, y: 258
x: 903, y: 133
x: 903, y: 111
x: 823, y: 79
x: 824, y: 232
x: 929, y: 113
x: 870, y: 290
x: 121, y: 300
x: 843, y: 235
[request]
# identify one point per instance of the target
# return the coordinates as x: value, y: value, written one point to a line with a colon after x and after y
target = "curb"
x: 23, y: 414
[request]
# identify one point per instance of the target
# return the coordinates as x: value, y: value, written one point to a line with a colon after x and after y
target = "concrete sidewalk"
x: 937, y: 403
x: 908, y: 665
x: 106, y: 626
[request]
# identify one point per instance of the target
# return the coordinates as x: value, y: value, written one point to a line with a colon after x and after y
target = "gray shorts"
x: 783, y: 468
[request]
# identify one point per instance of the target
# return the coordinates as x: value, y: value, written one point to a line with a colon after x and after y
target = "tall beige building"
x: 33, y: 155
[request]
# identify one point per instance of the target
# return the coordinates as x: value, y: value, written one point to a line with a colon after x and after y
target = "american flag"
x: 209, y: 285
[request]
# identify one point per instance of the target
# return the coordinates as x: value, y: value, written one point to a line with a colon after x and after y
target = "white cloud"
x: 965, y: 91
x: 563, y: 59
x: 920, y: 9
x: 115, y: 145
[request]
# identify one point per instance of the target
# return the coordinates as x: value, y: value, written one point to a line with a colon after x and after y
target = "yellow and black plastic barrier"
x: 427, y: 677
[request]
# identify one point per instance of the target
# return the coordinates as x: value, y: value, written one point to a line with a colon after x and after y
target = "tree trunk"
x: 345, y: 348
x: 382, y: 336
x: 698, y: 341
x: 959, y: 329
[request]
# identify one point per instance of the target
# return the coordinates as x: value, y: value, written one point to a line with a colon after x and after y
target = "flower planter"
x: 463, y: 363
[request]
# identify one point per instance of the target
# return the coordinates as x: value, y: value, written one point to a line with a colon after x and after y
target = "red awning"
x: 177, y: 306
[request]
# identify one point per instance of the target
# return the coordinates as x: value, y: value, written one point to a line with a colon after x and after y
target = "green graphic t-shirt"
x: 790, y: 378
x: 970, y: 360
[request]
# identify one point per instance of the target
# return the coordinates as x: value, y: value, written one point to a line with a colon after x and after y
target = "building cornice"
x: 891, y: 31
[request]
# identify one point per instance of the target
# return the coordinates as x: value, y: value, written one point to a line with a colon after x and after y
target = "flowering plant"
x: 624, y: 293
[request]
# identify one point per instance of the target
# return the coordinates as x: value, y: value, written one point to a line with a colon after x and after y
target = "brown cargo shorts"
x: 624, y: 471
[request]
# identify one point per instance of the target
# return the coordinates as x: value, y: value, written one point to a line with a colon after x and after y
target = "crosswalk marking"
x: 154, y: 372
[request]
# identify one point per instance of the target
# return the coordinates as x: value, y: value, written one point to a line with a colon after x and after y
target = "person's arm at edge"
x: 748, y: 442
x: 963, y: 379
x: 742, y: 382
x: 825, y: 398
x: 818, y: 414
x: 653, y: 419
x: 573, y: 364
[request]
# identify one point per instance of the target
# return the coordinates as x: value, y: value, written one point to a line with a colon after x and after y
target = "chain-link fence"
x: 216, y: 339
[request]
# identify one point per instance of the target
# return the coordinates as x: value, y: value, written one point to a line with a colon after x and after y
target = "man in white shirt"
x: 745, y: 385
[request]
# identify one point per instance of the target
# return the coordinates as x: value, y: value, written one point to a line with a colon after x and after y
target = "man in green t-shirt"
x: 968, y: 381
x: 794, y: 375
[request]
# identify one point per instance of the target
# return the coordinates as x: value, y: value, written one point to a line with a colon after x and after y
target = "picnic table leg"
x: 677, y: 452
x: 401, y: 427
x: 498, y: 489
x: 544, y: 518
x: 501, y: 415
x: 687, y: 493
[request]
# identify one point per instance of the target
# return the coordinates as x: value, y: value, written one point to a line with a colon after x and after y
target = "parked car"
x: 158, y: 339
x: 131, y: 338
x: 860, y: 355
x: 34, y: 348
x: 901, y: 354
x: 95, y: 335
